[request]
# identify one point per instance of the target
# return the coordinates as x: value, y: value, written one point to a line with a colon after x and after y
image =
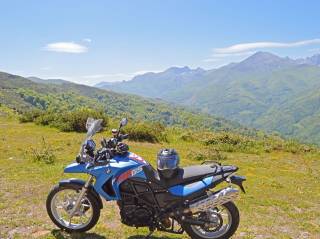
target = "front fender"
x: 78, y: 184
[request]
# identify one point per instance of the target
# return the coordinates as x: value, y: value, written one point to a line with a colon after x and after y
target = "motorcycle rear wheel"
x: 88, y: 204
x: 232, y: 212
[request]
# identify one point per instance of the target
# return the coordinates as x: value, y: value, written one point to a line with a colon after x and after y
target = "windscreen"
x: 93, y: 126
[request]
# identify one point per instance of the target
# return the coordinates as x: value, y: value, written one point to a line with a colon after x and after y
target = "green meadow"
x: 282, y: 199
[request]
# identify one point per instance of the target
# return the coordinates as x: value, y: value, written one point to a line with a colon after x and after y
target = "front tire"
x: 197, y: 232
x: 88, y: 204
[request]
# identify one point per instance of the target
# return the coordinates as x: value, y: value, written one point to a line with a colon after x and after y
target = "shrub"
x: 294, y: 147
x: 207, y: 154
x: 30, y: 116
x: 46, y: 119
x: 42, y: 154
x: 76, y: 120
x: 232, y: 142
x: 146, y: 132
x: 188, y: 136
x: 65, y: 121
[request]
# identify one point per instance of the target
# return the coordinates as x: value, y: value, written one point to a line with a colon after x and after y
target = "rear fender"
x: 238, y: 180
x: 78, y: 184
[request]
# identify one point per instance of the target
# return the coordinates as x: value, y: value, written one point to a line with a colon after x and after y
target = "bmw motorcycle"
x: 186, y: 202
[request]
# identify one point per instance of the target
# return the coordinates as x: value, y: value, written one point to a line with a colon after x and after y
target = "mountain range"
x: 24, y: 94
x: 264, y: 91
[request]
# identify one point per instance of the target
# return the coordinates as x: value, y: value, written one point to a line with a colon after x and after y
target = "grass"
x: 282, y: 199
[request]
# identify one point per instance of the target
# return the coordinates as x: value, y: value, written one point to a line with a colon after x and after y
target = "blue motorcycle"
x: 185, y: 201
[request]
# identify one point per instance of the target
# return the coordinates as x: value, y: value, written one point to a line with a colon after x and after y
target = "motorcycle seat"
x: 188, y: 174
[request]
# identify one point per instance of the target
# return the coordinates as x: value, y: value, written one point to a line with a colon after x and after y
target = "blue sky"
x: 93, y: 41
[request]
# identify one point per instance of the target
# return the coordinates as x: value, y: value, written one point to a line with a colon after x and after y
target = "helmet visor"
x: 170, y: 162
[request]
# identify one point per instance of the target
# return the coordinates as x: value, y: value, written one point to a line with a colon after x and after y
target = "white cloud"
x: 243, y: 47
x: 68, y: 47
x: 222, y: 55
x: 215, y: 57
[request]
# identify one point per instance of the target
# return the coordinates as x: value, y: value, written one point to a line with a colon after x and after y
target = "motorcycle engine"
x: 135, y: 211
x: 136, y: 215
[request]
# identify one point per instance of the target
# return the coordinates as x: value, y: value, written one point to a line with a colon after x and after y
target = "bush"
x: 228, y: 142
x: 146, y: 132
x: 207, y: 154
x: 294, y: 147
x: 68, y: 121
x: 46, y: 119
x: 42, y: 154
x: 30, y: 116
x: 231, y: 142
x: 76, y: 120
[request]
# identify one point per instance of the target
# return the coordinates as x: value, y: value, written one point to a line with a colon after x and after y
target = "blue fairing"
x: 119, y: 169
x: 185, y: 190
x: 76, y: 168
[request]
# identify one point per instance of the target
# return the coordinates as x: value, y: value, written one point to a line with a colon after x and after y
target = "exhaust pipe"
x: 223, y: 196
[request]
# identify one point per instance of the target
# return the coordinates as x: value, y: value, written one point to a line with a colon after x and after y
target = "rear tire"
x: 89, y: 196
x: 235, y: 219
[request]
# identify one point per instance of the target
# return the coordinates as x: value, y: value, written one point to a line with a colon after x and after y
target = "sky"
x: 92, y: 41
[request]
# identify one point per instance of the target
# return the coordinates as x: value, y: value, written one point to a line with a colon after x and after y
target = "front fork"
x: 81, y: 195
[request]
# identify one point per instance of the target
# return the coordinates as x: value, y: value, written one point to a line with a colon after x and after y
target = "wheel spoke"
x: 219, y: 222
x: 63, y: 203
x: 59, y: 206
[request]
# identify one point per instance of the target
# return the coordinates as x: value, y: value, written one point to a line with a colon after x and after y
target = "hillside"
x: 23, y: 94
x: 249, y: 92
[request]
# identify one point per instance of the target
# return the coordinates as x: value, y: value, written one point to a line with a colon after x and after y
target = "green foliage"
x: 69, y: 121
x: 42, y: 154
x: 231, y: 142
x: 207, y: 154
x: 76, y: 120
x: 146, y: 132
x: 30, y: 116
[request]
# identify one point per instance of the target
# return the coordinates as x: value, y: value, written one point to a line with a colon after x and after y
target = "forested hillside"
x: 23, y: 95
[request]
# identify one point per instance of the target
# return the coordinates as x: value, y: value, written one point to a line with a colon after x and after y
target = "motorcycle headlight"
x: 90, y: 145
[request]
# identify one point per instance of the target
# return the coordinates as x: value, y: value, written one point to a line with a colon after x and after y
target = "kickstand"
x: 150, y: 233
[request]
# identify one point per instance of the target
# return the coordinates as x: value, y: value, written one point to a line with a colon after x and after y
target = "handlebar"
x: 108, y: 151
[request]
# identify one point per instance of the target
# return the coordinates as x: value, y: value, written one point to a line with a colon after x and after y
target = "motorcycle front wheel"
x: 223, y: 223
x: 60, y: 204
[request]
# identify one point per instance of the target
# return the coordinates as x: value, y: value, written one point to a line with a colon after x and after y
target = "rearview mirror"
x: 123, y: 122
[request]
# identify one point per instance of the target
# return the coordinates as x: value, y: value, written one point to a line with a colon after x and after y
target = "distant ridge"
x: 255, y: 92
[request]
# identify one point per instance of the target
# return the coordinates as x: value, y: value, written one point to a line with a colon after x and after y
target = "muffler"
x: 216, y: 199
